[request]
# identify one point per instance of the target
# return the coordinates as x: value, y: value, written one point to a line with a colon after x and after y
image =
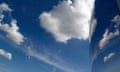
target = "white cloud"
x: 116, y: 19
x: 5, y: 54
x: 107, y: 36
x: 68, y: 20
x: 11, y: 30
x: 4, y: 7
x: 109, y: 56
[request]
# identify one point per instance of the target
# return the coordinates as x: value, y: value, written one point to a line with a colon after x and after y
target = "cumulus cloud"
x: 5, y: 54
x: 69, y: 19
x: 4, y: 7
x: 109, y: 56
x: 107, y: 36
x: 11, y: 30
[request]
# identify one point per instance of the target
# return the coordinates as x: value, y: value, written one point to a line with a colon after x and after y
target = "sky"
x: 45, y: 35
x: 104, y: 47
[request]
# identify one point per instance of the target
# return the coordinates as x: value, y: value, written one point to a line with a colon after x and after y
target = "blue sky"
x: 106, y: 38
x: 45, y: 36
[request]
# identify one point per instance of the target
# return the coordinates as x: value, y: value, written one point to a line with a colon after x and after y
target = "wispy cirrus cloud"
x: 50, y: 58
x: 92, y: 27
x: 69, y: 19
